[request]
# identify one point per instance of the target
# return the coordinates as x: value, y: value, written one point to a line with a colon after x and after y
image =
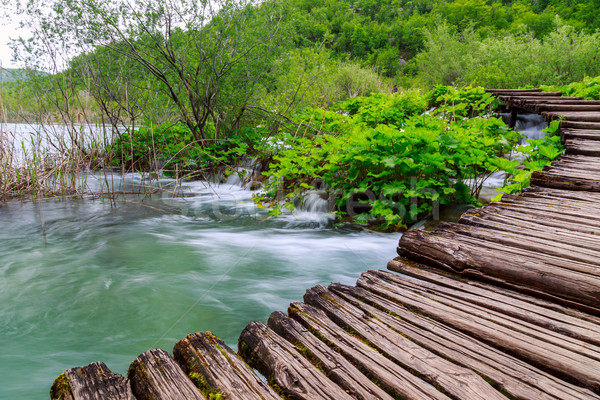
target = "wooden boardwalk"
x: 503, y: 304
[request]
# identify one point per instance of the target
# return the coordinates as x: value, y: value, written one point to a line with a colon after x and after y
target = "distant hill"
x: 12, y: 74
x: 16, y: 74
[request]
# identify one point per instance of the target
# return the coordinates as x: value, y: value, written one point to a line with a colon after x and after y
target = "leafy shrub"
x: 171, y: 146
x: 538, y: 153
x: 468, y: 102
x: 513, y: 59
x: 589, y: 88
x: 400, y: 169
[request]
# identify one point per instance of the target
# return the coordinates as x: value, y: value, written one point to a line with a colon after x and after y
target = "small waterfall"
x: 315, y: 201
x: 530, y: 125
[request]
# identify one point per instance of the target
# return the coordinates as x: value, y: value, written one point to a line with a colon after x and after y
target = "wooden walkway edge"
x: 504, y: 304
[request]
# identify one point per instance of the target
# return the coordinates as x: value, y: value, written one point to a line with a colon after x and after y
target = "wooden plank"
x: 565, y: 124
x: 556, y: 233
x: 557, y: 265
x: 520, y: 312
x: 283, y: 364
x: 391, y: 376
x: 496, y: 91
x: 564, y: 100
x: 533, y: 349
x: 566, y: 194
x: 546, y: 218
x: 546, y: 179
x: 559, y: 101
x: 509, y: 374
x: 533, y: 94
x: 155, y: 375
x: 454, y: 380
x: 559, y: 108
x: 398, y: 265
x: 92, y: 382
x: 569, y: 207
x: 216, y: 369
x: 583, y: 147
x: 586, y: 160
x: 572, y: 173
x: 582, y: 116
x: 337, y: 368
x: 470, y: 261
x: 592, y: 169
x: 584, y: 259
x: 538, y: 327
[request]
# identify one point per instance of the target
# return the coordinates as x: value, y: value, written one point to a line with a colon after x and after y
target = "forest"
x: 377, y: 102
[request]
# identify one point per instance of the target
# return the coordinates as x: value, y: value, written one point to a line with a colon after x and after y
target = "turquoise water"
x: 85, y: 280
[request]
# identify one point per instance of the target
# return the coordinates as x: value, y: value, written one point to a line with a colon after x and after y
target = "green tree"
x: 206, y: 57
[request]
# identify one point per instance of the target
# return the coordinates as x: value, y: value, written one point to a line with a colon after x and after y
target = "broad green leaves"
x: 400, y: 163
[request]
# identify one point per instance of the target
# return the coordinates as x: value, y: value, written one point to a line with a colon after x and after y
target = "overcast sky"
x: 8, y: 29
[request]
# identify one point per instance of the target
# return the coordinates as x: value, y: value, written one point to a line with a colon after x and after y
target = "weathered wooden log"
x: 548, y: 219
x: 576, y: 173
x: 155, y: 375
x: 565, y: 194
x: 547, y: 179
x: 283, y: 364
x: 566, y: 124
x: 504, y: 219
x: 561, y: 101
x: 583, y: 147
x: 497, y: 91
x: 572, y: 315
x: 517, y: 314
x: 532, y: 347
x: 454, y: 380
x: 531, y: 94
x: 471, y: 237
x: 565, y: 206
x: 547, y: 198
x: 539, y: 329
x: 92, y: 382
x: 575, y: 257
x: 338, y: 368
x: 390, y: 375
x: 560, y: 108
x: 472, y: 261
x: 216, y: 369
x: 585, y: 160
x: 519, y: 227
x: 581, y: 116
x: 573, y: 171
x: 563, y: 201
x: 564, y: 163
x: 507, y: 373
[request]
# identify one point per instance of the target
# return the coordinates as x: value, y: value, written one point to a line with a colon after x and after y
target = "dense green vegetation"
x: 327, y: 94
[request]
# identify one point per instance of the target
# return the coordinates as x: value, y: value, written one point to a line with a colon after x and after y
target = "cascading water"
x: 531, y: 126
x: 85, y: 280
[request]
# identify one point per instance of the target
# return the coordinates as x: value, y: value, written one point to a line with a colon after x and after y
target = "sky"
x: 8, y: 29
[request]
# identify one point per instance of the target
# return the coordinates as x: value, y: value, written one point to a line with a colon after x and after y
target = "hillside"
x: 12, y: 74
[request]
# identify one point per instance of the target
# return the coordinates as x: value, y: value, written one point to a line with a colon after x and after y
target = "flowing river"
x: 84, y: 280
x: 88, y: 280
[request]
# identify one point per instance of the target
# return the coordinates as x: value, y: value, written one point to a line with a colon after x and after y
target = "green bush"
x: 537, y: 154
x: 402, y: 164
x: 589, y: 88
x: 511, y: 60
x: 172, y: 147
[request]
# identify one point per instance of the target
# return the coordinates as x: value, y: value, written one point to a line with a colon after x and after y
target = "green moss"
x: 60, y: 386
x: 209, y: 392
